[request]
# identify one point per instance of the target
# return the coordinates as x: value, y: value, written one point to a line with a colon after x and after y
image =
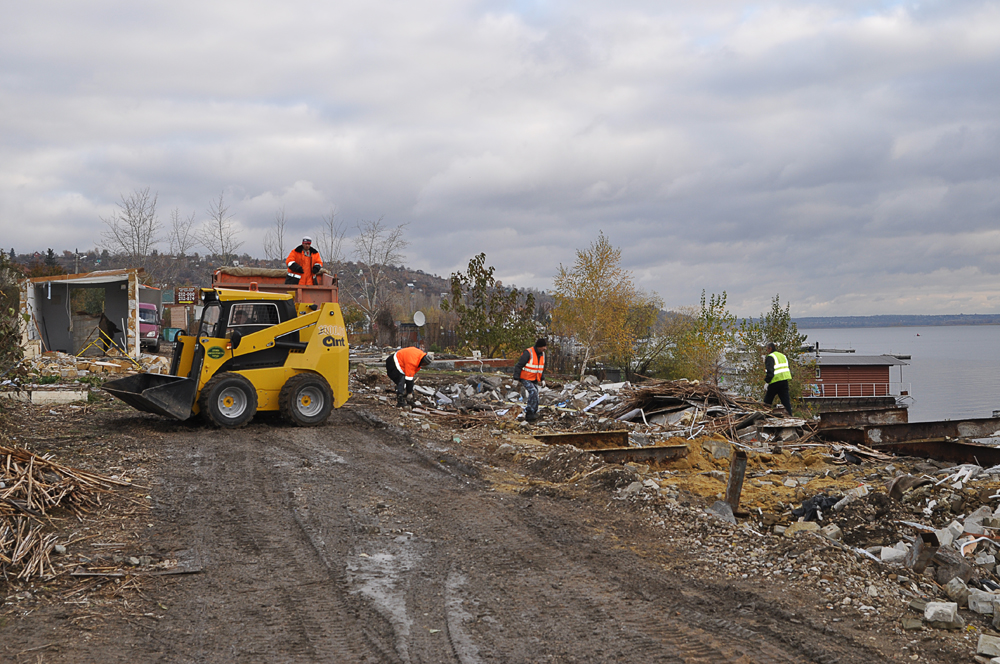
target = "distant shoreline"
x: 819, y: 322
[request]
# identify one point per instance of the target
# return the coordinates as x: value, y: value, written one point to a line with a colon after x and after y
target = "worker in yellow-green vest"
x: 778, y: 376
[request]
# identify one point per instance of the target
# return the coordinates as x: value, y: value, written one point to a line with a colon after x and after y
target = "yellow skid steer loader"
x: 254, y: 351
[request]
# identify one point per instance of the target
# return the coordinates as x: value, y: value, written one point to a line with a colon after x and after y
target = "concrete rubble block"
x: 910, y: 624
x: 981, y: 602
x: 941, y: 612
x: 720, y: 449
x: 956, y: 529
x: 996, y: 613
x: 723, y: 510
x: 891, y: 554
x: 988, y: 645
x: 983, y: 512
x: 950, y: 565
x: 986, y: 559
x: 652, y: 484
x: 957, y: 591
x: 801, y: 527
x: 632, y: 489
x: 832, y: 531
x: 944, y: 536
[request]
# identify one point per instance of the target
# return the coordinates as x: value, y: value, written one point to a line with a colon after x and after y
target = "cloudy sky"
x: 843, y: 154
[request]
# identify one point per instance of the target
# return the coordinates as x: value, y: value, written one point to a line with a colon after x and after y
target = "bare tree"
x: 331, y: 241
x: 274, y: 239
x: 219, y: 233
x: 133, y: 228
x: 376, y: 247
x: 182, y: 233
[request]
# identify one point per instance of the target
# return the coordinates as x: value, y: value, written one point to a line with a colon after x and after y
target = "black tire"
x: 306, y: 400
x: 156, y: 346
x: 228, y: 400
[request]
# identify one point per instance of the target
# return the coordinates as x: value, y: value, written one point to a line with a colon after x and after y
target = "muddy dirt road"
x: 360, y: 542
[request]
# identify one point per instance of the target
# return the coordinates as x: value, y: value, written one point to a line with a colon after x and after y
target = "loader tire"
x: 228, y: 400
x: 306, y: 400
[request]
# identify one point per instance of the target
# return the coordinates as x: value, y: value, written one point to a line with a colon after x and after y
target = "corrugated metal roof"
x: 852, y: 360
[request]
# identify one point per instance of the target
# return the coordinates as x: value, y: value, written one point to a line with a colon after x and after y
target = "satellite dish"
x: 419, y: 319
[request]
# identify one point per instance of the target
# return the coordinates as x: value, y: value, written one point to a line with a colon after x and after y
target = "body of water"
x: 954, y: 372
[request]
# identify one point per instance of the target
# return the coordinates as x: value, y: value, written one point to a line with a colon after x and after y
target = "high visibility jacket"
x: 781, y: 371
x: 407, y: 360
x: 297, y: 255
x: 535, y: 366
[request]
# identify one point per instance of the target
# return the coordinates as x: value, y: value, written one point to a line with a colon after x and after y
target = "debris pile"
x: 64, y: 365
x: 30, y: 487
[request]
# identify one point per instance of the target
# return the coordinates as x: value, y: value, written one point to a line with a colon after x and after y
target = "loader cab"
x: 223, y: 317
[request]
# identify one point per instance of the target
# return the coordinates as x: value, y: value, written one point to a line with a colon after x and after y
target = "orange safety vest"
x: 306, y: 263
x: 407, y: 360
x: 535, y: 366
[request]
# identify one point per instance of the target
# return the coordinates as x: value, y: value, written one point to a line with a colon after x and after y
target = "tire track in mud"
x: 605, y: 624
x: 269, y: 596
x: 358, y: 542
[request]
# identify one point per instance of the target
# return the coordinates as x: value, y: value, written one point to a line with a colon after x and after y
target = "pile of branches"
x: 30, y: 487
x: 652, y: 394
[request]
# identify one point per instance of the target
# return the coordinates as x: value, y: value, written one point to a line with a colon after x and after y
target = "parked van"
x: 149, y: 326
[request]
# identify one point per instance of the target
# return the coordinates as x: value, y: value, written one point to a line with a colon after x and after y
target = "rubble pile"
x: 43, y: 368
x: 30, y: 487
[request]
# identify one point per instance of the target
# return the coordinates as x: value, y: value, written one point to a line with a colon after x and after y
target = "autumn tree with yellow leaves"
x: 597, y: 304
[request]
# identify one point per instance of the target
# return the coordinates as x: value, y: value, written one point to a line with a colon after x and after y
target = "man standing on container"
x: 402, y: 367
x: 304, y: 264
x: 530, y: 369
x: 777, y: 376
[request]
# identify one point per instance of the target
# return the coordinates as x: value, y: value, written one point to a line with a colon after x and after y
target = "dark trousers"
x: 780, y: 390
x: 403, y: 386
x: 531, y: 388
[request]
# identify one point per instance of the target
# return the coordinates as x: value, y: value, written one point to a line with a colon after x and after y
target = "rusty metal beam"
x: 877, y: 435
x: 586, y: 440
x: 851, y: 418
x: 945, y: 450
x: 641, y: 454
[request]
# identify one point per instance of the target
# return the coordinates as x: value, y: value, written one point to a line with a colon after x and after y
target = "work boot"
x: 400, y: 401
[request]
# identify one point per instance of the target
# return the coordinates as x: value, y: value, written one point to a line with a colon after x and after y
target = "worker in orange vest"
x: 402, y: 367
x: 530, y: 369
x: 304, y: 264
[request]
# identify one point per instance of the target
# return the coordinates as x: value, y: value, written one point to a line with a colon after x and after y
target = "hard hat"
x: 307, y: 239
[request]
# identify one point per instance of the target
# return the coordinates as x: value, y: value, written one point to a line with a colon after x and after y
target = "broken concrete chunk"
x: 723, y: 510
x: 945, y: 536
x: 801, y: 527
x: 988, y: 645
x: 957, y: 591
x: 720, y: 449
x: 981, y: 602
x: 891, y: 554
x: 832, y: 531
x: 941, y: 612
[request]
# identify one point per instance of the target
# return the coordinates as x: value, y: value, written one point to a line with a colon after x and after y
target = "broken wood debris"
x: 30, y: 487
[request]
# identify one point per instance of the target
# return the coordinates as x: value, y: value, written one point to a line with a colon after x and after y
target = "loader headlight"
x: 151, y: 334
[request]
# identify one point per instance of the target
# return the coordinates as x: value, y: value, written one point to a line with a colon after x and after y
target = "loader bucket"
x: 170, y: 396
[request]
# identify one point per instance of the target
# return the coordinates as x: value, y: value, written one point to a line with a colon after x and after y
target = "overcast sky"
x: 845, y: 155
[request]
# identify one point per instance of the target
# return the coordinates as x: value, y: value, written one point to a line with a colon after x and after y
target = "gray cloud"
x: 844, y: 155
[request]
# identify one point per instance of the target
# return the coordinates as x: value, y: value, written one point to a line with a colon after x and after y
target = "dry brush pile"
x: 31, y: 487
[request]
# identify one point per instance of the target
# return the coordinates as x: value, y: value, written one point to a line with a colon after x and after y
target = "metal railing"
x: 842, y: 390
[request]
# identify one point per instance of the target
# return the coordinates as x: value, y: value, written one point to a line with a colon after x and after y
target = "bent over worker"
x: 777, y: 376
x: 402, y: 367
x: 530, y: 369
x: 303, y: 264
